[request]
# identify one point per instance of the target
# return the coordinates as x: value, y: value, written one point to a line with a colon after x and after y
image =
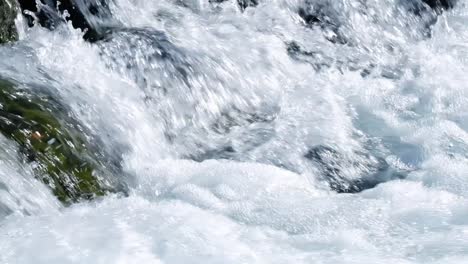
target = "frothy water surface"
x: 253, y: 136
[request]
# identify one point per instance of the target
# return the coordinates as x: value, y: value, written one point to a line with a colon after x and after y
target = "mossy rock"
x: 53, y: 143
x: 8, y: 12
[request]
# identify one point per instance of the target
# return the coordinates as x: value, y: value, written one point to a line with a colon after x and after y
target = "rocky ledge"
x: 8, y: 13
x: 48, y: 137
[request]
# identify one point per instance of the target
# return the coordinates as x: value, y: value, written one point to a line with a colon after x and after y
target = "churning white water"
x: 228, y: 125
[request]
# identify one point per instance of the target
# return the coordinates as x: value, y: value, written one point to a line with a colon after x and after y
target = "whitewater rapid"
x: 214, y: 115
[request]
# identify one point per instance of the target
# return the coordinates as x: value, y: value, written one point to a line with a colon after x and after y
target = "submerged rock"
x: 366, y: 171
x: 48, y: 137
x: 337, y: 20
x: 8, y: 13
x: 139, y: 53
x: 324, y: 15
x: 243, y: 4
x: 317, y: 59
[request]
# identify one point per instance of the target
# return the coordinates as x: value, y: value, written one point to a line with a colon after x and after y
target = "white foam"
x: 186, y: 212
x: 268, y: 204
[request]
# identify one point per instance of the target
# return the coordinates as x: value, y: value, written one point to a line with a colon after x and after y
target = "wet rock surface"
x: 82, y: 14
x: 49, y: 138
x: 440, y: 4
x: 8, y: 12
x: 243, y: 4
x: 368, y: 170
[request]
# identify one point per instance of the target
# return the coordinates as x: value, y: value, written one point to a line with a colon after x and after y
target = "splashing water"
x: 305, y: 131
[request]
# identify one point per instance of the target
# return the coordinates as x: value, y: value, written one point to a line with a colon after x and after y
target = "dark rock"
x: 243, y: 4
x: 440, y: 4
x: 48, y: 137
x: 370, y: 170
x: 324, y: 17
x: 317, y: 59
x: 8, y: 12
x: 83, y: 14
x: 336, y: 26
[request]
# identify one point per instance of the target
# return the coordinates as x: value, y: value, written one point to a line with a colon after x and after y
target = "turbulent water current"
x: 253, y: 135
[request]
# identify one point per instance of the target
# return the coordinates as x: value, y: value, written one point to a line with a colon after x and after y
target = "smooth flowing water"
x: 253, y: 136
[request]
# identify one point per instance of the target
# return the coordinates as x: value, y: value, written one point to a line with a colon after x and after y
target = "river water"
x: 240, y: 132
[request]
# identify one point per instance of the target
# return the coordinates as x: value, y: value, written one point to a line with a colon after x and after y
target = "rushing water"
x: 241, y: 133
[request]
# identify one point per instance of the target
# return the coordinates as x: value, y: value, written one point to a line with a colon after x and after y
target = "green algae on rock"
x: 61, y: 155
x: 8, y: 12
